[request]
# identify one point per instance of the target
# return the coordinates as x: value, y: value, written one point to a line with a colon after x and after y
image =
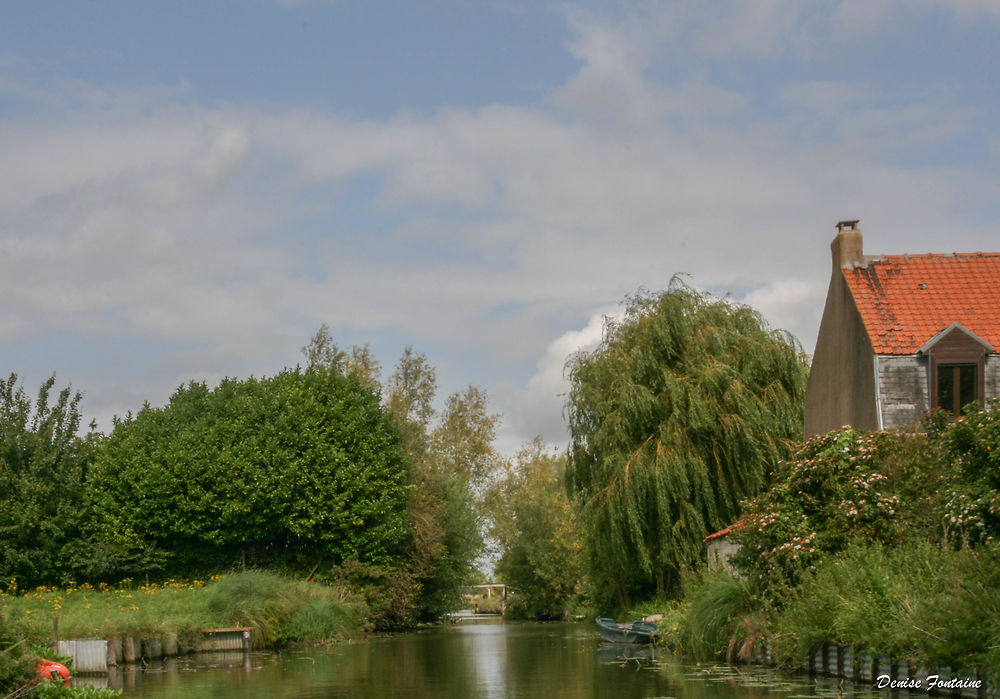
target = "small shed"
x: 721, y: 549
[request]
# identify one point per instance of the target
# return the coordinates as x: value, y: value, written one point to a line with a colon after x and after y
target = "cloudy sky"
x: 188, y: 189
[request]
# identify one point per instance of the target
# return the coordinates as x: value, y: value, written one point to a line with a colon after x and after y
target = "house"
x: 901, y: 335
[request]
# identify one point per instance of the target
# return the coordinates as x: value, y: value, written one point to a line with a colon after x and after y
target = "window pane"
x: 966, y: 384
x: 956, y: 386
x: 946, y: 387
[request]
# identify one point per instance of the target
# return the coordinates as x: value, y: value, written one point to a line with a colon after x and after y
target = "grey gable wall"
x: 902, y: 389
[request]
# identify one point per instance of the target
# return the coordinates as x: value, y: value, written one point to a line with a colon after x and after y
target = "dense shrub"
x: 932, y: 605
x: 537, y: 533
x: 832, y: 492
x: 17, y: 663
x: 298, y: 469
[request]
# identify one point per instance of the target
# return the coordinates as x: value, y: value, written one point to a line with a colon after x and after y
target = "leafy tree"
x: 303, y: 467
x: 535, y: 527
x: 358, y: 362
x: 411, y: 388
x: 682, y: 411
x: 43, y: 465
x: 463, y: 441
x: 446, y: 535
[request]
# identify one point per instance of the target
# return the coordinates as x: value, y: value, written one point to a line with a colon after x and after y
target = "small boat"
x: 636, y: 632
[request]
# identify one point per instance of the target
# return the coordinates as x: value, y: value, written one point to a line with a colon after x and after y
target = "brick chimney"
x: 846, y: 247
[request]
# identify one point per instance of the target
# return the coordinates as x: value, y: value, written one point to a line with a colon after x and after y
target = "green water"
x: 467, y: 660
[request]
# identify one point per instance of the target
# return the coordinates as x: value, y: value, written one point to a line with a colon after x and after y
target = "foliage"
x: 299, y: 468
x: 720, y: 616
x: 831, y: 493
x: 17, y: 664
x: 411, y: 388
x: 55, y: 690
x: 932, y: 605
x: 680, y: 413
x: 972, y: 514
x: 534, y: 525
x: 446, y: 459
x: 280, y: 608
x: 462, y: 442
x: 43, y: 464
x: 447, y: 539
x: 359, y: 362
x: 937, y: 484
x: 390, y: 593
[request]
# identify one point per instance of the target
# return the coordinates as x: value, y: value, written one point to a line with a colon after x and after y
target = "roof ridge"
x: 935, y: 255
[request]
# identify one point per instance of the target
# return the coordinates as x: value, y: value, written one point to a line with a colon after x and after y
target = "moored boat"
x: 636, y: 632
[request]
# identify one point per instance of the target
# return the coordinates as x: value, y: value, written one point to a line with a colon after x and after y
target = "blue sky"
x: 189, y: 189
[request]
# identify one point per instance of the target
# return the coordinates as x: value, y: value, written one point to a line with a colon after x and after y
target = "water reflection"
x: 479, y: 659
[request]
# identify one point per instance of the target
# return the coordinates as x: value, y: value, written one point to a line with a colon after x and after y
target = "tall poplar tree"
x: 682, y: 411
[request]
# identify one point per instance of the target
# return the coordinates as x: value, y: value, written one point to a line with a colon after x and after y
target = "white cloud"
x: 793, y: 305
x: 233, y: 231
x: 537, y: 408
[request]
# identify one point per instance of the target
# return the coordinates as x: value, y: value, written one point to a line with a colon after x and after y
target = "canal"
x: 471, y: 659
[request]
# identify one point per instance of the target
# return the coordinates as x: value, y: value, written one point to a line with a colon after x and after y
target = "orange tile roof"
x: 904, y: 300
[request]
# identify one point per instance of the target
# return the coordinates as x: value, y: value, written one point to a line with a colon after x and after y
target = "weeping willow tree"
x: 680, y: 413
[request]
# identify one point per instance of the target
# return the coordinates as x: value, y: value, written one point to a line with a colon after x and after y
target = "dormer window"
x: 957, y: 386
x: 956, y: 368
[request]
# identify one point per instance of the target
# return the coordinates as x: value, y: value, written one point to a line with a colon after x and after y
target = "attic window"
x: 957, y: 360
x: 956, y: 387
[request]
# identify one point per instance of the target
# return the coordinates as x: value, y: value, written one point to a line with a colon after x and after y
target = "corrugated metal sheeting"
x: 89, y: 655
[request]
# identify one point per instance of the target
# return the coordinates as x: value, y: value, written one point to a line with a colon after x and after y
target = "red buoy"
x: 51, y: 670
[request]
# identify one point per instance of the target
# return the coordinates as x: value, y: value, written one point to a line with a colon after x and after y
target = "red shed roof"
x: 904, y: 300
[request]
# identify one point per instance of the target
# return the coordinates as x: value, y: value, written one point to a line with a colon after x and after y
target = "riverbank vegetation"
x: 280, y: 608
x: 537, y: 533
x: 685, y: 420
x: 320, y: 473
x: 887, y: 541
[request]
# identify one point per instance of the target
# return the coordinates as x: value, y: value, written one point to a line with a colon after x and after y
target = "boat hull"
x: 636, y: 632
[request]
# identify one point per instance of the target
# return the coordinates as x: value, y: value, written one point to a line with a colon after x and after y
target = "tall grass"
x: 933, y: 605
x: 719, y: 616
x: 279, y: 608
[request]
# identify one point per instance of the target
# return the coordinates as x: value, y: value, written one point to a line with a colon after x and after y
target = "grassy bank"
x: 931, y: 605
x: 281, y: 610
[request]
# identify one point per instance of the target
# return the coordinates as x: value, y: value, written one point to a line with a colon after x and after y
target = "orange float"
x: 51, y: 670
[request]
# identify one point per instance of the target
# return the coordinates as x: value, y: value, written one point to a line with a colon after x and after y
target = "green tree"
x: 682, y: 411
x: 43, y: 466
x: 535, y: 527
x: 463, y: 441
x: 359, y: 362
x: 411, y: 389
x: 446, y: 535
x: 303, y: 467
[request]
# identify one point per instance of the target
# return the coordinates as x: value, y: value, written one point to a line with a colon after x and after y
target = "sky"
x: 189, y: 189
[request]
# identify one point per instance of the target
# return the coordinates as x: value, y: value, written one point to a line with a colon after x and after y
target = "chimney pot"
x: 846, y: 247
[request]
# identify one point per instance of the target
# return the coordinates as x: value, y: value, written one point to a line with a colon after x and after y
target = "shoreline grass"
x: 280, y: 608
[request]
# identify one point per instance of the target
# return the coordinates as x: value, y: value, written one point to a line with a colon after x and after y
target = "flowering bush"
x: 831, y: 493
x: 971, y: 511
x: 940, y: 483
